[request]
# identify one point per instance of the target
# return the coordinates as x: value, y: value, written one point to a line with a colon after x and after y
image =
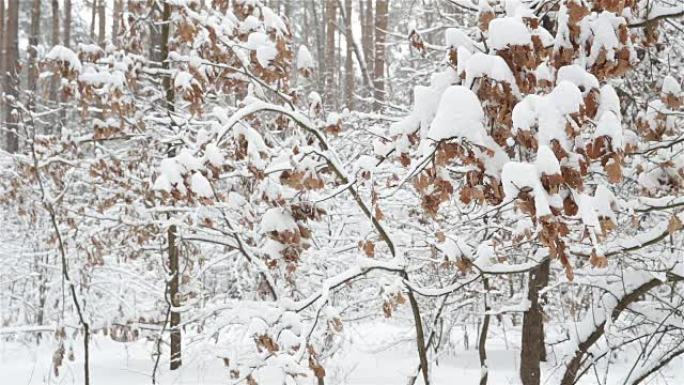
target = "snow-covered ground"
x: 375, y: 354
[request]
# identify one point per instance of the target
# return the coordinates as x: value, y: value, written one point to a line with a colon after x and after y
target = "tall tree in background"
x: 93, y: 14
x: 33, y: 50
x: 116, y: 19
x: 67, y: 23
x: 349, y: 60
x: 11, y: 75
x: 2, y: 52
x: 102, y: 23
x: 54, y: 40
x: 173, y: 250
x: 330, y: 60
x: 366, y: 21
x: 380, y: 33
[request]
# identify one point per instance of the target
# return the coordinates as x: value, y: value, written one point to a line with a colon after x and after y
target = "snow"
x: 546, y: 161
x: 485, y: 255
x: 459, y: 114
x: 250, y: 23
x: 671, y: 86
x: 168, y: 168
x: 65, y: 55
x: 516, y: 176
x: 587, y: 211
x: 264, y: 47
x: 213, y: 155
x: 548, y: 113
x: 454, y: 249
x: 184, y: 80
x: 579, y: 77
x: 455, y: 38
x: 608, y: 101
x: 605, y: 38
x: 609, y: 125
x: 304, y: 58
x: 273, y: 21
x: 188, y: 161
x: 605, y: 202
x: 200, y: 185
x: 115, y: 79
x: 543, y: 72
x: 277, y: 219
x: 508, y: 31
x: 493, y: 67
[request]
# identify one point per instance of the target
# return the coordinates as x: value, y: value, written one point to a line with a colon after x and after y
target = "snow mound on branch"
x: 517, y: 176
x: 264, y: 47
x: 605, y: 202
x: 170, y: 175
x: 508, y: 31
x: 546, y: 161
x: 464, y: 56
x: 609, y: 125
x: 213, y: 155
x: 425, y: 105
x: 454, y: 249
x: 200, y: 185
x: 304, y: 58
x: 603, y: 28
x: 579, y: 77
x: 671, y: 86
x: 608, y: 101
x: 543, y: 72
x: 486, y: 256
x: 493, y: 67
x: 455, y: 38
x: 549, y: 113
x: 114, y: 79
x: 459, y: 114
x: 251, y: 23
x: 65, y: 55
x: 184, y: 80
x: 273, y: 21
x: 277, y: 219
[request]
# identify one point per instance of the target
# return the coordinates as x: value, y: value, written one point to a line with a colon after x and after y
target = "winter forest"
x: 342, y: 192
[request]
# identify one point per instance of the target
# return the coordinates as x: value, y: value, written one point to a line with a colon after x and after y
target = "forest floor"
x: 375, y: 354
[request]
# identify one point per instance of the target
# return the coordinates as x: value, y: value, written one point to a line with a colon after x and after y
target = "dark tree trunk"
x: 533, y: 348
x: 482, y: 348
x: 11, y: 75
x: 381, y: 24
x: 330, y: 62
x: 102, y: 23
x: 349, y: 59
x: 173, y: 252
x: 67, y: 23
x: 33, y: 51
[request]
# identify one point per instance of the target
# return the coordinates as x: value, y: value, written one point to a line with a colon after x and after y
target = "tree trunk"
x: 54, y: 40
x: 381, y: 24
x: 482, y: 348
x: 366, y: 16
x: 93, y: 13
x: 102, y: 24
x: 533, y: 348
x: 116, y: 19
x: 2, y: 52
x: 173, y: 285
x: 319, y: 40
x: 11, y: 75
x: 330, y: 62
x: 67, y: 23
x: 33, y: 52
x: 349, y: 60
